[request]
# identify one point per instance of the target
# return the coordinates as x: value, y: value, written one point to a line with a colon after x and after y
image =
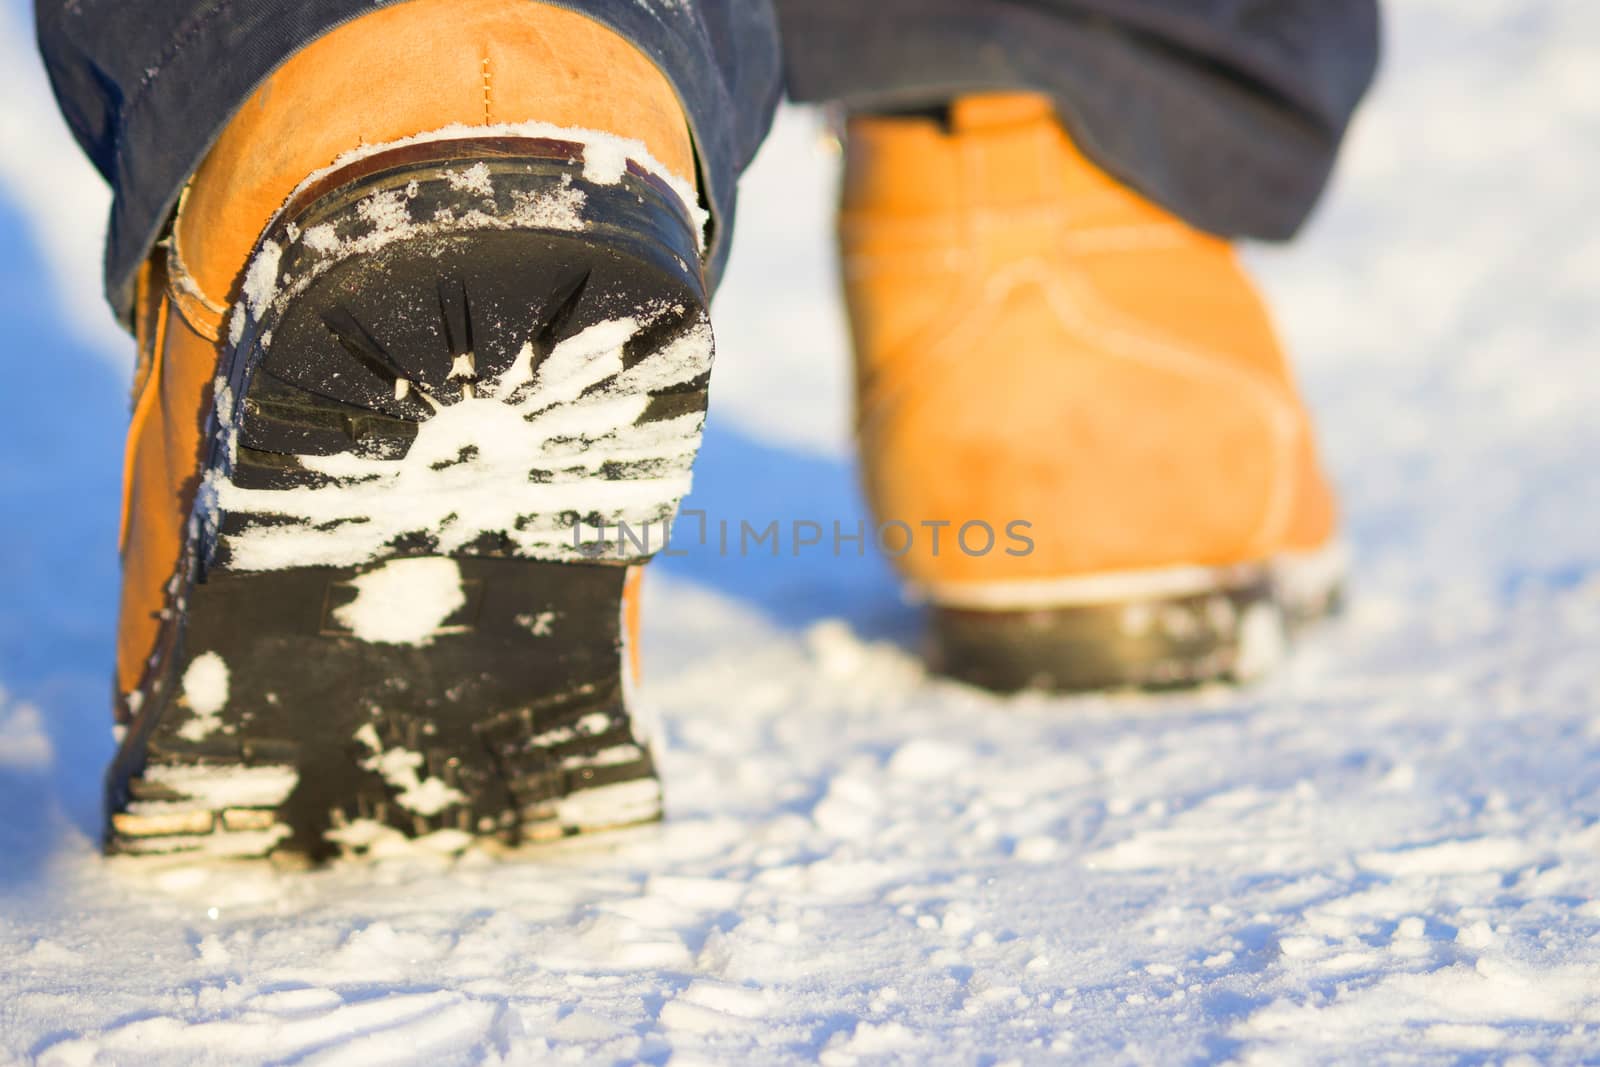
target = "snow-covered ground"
x: 1391, y: 850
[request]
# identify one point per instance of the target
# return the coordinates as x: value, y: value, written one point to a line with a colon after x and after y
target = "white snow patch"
x: 261, y: 277
x: 541, y: 624
x: 384, y: 842
x: 399, y: 766
x: 605, y: 161
x: 611, y: 805
x: 222, y: 400
x: 1473, y: 856
x: 404, y: 601
x: 471, y: 179
x: 928, y: 760
x: 388, y: 212
x: 362, y: 833
x: 1262, y: 643
x: 606, y: 757
x: 323, y: 238
x: 1305, y: 580
x: 1035, y: 849
x: 740, y: 1001
x: 557, y: 209
x: 429, y: 796
x: 239, y: 844
x: 264, y: 786
x: 205, y: 689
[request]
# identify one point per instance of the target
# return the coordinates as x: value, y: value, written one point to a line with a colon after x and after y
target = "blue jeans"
x: 1228, y: 112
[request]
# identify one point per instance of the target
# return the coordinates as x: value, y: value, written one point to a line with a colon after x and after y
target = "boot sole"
x: 1210, y: 625
x: 458, y: 367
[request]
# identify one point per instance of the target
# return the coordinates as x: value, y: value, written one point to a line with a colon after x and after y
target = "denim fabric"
x: 1229, y: 112
x: 147, y: 86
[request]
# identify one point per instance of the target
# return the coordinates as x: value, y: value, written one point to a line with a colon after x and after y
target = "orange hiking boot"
x: 1076, y: 424
x: 411, y: 346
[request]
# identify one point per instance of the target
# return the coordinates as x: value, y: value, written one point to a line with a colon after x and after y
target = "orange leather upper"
x: 161, y: 469
x: 1035, y: 342
x: 407, y: 69
x: 404, y: 69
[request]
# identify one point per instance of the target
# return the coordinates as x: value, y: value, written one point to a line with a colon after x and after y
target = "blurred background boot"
x: 1077, y: 407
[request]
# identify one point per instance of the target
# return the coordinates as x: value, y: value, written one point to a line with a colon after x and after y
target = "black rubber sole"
x: 462, y: 367
x: 1231, y: 633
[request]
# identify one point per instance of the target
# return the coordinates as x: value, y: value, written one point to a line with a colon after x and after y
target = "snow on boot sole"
x: 456, y: 364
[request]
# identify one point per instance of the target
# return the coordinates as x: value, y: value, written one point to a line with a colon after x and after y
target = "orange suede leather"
x: 630, y: 621
x: 162, y: 467
x: 411, y: 68
x: 404, y: 69
x: 1036, y: 342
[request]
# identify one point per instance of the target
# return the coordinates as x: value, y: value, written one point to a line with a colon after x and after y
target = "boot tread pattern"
x: 441, y: 391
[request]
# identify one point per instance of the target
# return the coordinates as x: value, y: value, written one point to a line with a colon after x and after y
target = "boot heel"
x: 1231, y: 629
x: 453, y: 367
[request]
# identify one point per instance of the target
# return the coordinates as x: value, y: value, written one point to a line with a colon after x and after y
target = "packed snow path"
x: 1390, y: 850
